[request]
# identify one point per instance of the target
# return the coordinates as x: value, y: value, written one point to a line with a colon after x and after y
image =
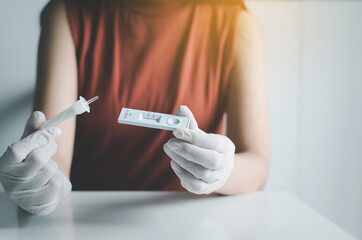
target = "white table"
x: 170, y: 215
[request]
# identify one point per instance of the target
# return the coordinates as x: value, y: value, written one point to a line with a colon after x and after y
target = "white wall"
x: 281, y: 25
x: 314, y: 54
x: 19, y: 33
x: 314, y: 51
x: 331, y: 123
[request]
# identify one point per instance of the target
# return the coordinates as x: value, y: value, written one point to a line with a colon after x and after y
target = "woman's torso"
x: 151, y: 55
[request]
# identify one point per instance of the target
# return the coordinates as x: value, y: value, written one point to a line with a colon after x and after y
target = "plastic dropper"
x: 77, y: 108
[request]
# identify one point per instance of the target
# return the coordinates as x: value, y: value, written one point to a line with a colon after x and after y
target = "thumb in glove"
x: 34, y: 122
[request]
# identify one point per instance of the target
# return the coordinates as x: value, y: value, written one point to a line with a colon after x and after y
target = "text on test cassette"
x: 152, y: 119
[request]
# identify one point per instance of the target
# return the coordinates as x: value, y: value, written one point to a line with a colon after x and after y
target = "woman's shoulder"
x: 248, y: 26
x: 225, y: 3
x: 58, y: 7
x: 53, y: 12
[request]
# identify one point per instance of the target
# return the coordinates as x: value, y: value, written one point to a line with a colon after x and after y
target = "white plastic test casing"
x: 152, y: 119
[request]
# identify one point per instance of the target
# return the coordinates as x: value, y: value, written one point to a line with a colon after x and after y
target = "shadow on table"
x: 93, y: 211
x: 9, y: 213
x: 223, y: 217
x: 127, y: 211
x: 229, y: 217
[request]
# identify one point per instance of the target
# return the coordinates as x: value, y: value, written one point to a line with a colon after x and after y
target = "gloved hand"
x: 202, y: 161
x: 28, y: 174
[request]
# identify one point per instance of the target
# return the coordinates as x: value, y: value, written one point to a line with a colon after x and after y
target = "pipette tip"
x: 92, y: 100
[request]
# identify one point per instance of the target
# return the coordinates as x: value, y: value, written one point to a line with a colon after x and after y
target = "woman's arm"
x: 247, y: 112
x: 56, y: 87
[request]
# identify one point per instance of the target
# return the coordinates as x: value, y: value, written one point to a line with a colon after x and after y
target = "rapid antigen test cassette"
x: 152, y: 119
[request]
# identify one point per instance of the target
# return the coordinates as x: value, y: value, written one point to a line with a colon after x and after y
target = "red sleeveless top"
x: 150, y: 55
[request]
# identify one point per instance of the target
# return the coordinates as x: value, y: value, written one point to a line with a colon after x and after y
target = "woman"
x: 156, y: 55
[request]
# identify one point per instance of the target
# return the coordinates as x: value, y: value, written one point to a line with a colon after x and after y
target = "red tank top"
x: 150, y: 55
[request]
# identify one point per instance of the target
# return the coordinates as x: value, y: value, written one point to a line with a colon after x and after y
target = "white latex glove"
x: 28, y: 174
x: 202, y: 161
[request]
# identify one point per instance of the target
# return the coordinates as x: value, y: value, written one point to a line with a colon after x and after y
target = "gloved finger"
x: 67, y: 187
x: 34, y: 182
x: 18, y: 151
x: 34, y: 122
x: 188, y: 181
x: 186, y: 112
x: 205, y: 157
x: 43, y: 176
x: 199, y: 138
x: 40, y: 196
x: 196, y: 170
x: 54, y: 187
x: 50, y: 206
x: 35, y: 161
x: 44, y: 209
